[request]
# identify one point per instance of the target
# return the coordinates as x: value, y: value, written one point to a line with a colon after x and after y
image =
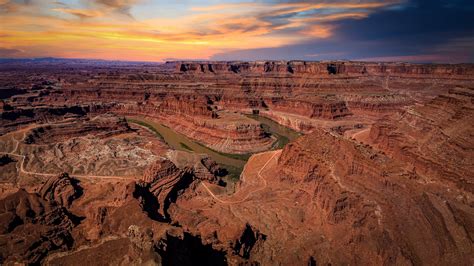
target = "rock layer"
x: 190, y: 96
x: 434, y: 140
x: 100, y: 127
x: 382, y: 176
x: 160, y: 184
x: 34, y: 224
x: 319, y: 68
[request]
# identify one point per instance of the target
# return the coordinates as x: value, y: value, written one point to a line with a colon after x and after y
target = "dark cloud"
x: 439, y: 28
x: 98, y: 8
x: 422, y: 23
x: 121, y: 6
x: 13, y: 5
x: 59, y: 3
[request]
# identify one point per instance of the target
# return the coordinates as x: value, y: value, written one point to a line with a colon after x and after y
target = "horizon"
x: 412, y: 31
x: 224, y: 61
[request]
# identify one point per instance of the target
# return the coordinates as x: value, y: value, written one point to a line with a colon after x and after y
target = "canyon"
x: 236, y: 163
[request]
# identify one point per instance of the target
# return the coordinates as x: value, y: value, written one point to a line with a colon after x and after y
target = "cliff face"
x: 35, y: 224
x: 391, y: 215
x: 188, y: 105
x: 321, y: 68
x: 377, y: 104
x: 61, y: 189
x: 407, y: 199
x: 322, y: 108
x: 226, y: 132
x: 101, y: 127
x: 333, y: 200
x: 159, y: 187
x: 317, y: 90
x: 296, y: 93
x: 14, y: 119
x: 434, y: 140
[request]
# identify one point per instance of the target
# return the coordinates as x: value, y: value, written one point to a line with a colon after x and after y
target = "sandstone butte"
x: 382, y: 173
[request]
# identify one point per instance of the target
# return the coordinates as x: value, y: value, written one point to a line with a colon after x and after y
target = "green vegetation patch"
x: 233, y: 172
x: 283, y: 134
x: 242, y: 157
x: 186, y: 147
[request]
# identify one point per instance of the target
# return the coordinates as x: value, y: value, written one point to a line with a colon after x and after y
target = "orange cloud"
x: 220, y: 7
x: 318, y: 31
x: 82, y: 13
x: 97, y: 30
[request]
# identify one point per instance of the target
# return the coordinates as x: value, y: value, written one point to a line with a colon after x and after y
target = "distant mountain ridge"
x: 72, y: 60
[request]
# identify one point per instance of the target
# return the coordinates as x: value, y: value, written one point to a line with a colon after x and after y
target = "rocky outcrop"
x: 32, y: 228
x: 142, y: 247
x: 433, y: 140
x: 102, y: 145
x: 9, y: 92
x: 5, y: 159
x: 322, y: 108
x: 192, y: 105
x: 320, y: 68
x: 223, y: 131
x: 212, y: 167
x: 189, y: 96
x: 336, y: 201
x: 13, y: 119
x: 60, y: 189
x: 33, y: 224
x: 249, y: 241
x: 376, y: 104
x: 100, y: 127
x: 186, y: 249
x: 160, y: 185
x: 158, y: 170
x: 359, y: 188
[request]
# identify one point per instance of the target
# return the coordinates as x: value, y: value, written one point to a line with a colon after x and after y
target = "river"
x: 282, y: 133
x: 234, y: 163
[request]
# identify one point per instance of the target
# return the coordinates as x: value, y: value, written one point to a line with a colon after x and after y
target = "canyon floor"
x: 236, y: 163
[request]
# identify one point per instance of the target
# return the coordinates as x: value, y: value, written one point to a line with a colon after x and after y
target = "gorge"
x: 240, y: 163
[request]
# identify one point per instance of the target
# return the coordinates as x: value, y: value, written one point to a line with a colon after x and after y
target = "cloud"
x: 418, y: 31
x: 318, y: 31
x: 263, y: 23
x: 201, y: 30
x: 8, y: 6
x: 98, y: 8
x: 6, y: 52
x: 81, y: 13
x: 409, y: 58
x: 121, y: 6
x: 221, y: 7
x: 344, y: 29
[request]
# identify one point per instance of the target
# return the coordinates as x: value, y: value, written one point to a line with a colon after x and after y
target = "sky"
x: 439, y: 31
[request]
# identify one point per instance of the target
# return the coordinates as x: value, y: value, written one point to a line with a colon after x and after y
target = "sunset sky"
x: 148, y: 30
